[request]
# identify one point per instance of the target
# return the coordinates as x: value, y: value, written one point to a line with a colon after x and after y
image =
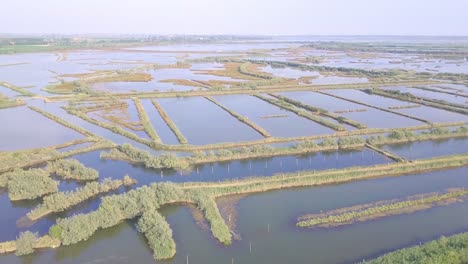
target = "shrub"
x: 25, y: 243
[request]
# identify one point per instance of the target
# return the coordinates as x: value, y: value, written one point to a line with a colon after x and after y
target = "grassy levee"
x: 243, y: 90
x: 72, y: 169
x: 146, y: 121
x: 170, y: 123
x: 62, y: 122
x: 380, y: 209
x: 17, y: 89
x: 116, y: 208
x: 61, y: 201
x: 128, y: 153
x: 332, y: 176
x: 158, y: 234
x: 103, y: 106
x: 39, y: 243
x: 5, y: 102
x: 376, y: 107
x: 241, y: 118
x: 320, y: 111
x: 386, y: 153
x: 446, y: 250
x: 419, y: 100
x: 299, y: 112
x: 398, y: 136
x: 440, y: 91
x: 28, y: 158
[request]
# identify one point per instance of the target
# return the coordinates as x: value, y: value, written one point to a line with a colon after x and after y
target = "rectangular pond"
x: 203, y: 122
x: 371, y: 117
x: 23, y: 128
x: 286, y: 124
x: 428, y: 113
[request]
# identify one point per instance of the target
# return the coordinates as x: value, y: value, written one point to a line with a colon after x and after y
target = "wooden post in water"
x: 250, y: 247
x: 268, y: 228
x: 187, y: 259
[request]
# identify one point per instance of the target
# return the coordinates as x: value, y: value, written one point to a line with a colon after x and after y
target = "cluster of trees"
x: 61, y: 201
x: 164, y: 161
x: 30, y: 184
x: 158, y: 234
x: 25, y: 243
x: 116, y: 208
x: 72, y: 169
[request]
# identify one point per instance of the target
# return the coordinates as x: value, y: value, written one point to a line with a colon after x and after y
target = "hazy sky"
x: 273, y: 17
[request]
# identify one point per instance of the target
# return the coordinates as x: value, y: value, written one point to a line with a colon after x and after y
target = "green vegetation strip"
x: 169, y: 161
x: 446, y: 250
x: 366, y: 212
x: 61, y: 201
x: 146, y: 121
x: 17, y: 89
x: 386, y: 153
x: 241, y: 118
x: 170, y: 123
x: 5, y: 102
x: 321, y: 111
x: 419, y: 100
x: 27, y: 158
x: 306, y: 114
x: 401, y: 136
x: 116, y: 208
x: 249, y: 90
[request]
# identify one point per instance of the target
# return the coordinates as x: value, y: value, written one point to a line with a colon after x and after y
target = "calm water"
x: 24, y: 128
x: 285, y: 243
x: 428, y: 149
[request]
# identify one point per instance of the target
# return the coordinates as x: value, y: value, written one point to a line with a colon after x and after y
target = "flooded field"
x: 231, y: 142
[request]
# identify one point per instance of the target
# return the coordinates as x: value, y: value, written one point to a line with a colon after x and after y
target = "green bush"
x: 30, y: 184
x: 25, y: 243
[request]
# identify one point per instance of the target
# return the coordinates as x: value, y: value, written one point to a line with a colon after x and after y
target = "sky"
x: 256, y: 17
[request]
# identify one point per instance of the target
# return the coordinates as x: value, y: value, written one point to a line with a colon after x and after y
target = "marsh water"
x: 264, y: 223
